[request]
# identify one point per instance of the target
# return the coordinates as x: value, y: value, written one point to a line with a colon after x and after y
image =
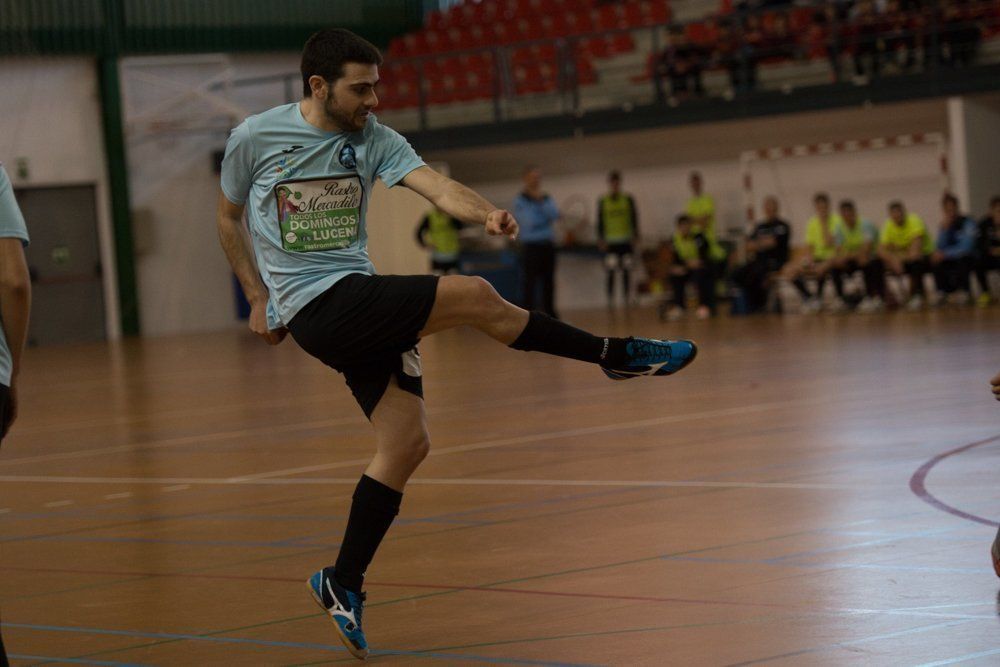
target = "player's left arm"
x: 460, y: 202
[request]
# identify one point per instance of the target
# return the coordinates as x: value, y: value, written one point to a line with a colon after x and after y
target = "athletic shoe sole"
x: 618, y: 375
x: 360, y: 654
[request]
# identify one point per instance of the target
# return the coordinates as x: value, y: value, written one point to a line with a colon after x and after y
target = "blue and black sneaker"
x: 648, y: 356
x: 344, y: 607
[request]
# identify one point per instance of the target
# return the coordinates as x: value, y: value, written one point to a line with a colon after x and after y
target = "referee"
x: 305, y: 270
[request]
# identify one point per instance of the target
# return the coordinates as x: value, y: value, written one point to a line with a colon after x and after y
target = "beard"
x: 347, y: 121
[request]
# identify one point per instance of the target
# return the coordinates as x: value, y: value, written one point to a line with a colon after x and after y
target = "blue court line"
x: 830, y: 566
x: 264, y: 642
x: 76, y: 661
x: 961, y: 658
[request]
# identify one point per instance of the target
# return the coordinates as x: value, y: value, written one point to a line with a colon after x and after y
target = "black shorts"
x: 367, y: 328
x: 444, y: 267
x: 4, y: 409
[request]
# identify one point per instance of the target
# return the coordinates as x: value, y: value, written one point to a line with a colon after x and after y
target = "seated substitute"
x: 954, y: 258
x: 856, y: 240
x: 768, y: 249
x: 822, y: 250
x: 904, y: 246
x: 692, y: 262
x: 988, y: 249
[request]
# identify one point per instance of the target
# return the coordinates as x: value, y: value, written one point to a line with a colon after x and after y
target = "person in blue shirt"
x: 302, y: 174
x: 536, y: 212
x: 15, y: 307
x: 954, y: 258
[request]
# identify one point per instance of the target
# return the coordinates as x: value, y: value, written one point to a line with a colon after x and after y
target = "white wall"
x: 975, y: 128
x: 50, y: 115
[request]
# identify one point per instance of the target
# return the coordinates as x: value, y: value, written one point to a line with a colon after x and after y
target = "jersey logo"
x: 291, y: 149
x: 348, y: 158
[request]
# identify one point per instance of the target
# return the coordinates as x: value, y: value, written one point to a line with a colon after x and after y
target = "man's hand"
x: 12, y: 410
x: 501, y: 223
x: 995, y: 382
x: 258, y: 325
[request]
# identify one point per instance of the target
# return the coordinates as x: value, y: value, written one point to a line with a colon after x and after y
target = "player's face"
x: 897, y: 214
x: 533, y: 179
x: 771, y: 207
x: 351, y: 98
x: 616, y: 185
x: 696, y: 184
x: 996, y: 212
x: 950, y: 210
x: 849, y: 215
x: 822, y: 208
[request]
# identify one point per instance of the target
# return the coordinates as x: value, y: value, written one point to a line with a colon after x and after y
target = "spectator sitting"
x: 768, y: 247
x: 692, y: 262
x: 960, y: 34
x: 898, y: 34
x: 904, y: 246
x: 856, y: 240
x: 956, y: 245
x: 866, y: 26
x: 738, y: 58
x: 779, y: 42
x: 681, y: 64
x: 822, y: 251
x: 988, y: 249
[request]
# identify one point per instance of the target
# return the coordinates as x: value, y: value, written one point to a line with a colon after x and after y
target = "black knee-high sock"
x: 552, y: 336
x: 372, y: 512
x: 800, y: 285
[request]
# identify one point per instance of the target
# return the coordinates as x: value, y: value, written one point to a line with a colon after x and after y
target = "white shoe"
x: 962, y: 298
x: 837, y: 306
x: 870, y: 305
x: 916, y: 302
x: 811, y: 306
x: 675, y: 314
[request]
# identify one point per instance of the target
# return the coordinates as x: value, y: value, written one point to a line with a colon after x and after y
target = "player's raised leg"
x: 472, y: 301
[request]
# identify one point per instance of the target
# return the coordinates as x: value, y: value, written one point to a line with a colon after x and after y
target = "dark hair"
x: 327, y: 51
x: 847, y: 203
x: 995, y: 201
x: 615, y: 175
x: 683, y: 218
x: 895, y: 203
x: 949, y: 198
x: 821, y: 197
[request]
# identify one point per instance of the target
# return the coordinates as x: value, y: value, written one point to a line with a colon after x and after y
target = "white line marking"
x: 59, y: 503
x: 176, y: 487
x: 4, y: 510
x: 116, y: 496
x: 552, y: 435
x: 187, y: 482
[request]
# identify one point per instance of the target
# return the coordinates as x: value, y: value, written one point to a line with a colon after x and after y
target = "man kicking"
x: 303, y: 173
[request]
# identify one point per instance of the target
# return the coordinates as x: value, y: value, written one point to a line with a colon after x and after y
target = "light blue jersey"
x: 306, y: 195
x: 11, y: 227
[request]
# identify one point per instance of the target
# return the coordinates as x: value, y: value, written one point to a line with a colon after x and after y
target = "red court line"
x: 520, y: 591
x: 918, y: 483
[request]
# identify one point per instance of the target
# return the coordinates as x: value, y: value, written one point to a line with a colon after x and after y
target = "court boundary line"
x: 918, y: 483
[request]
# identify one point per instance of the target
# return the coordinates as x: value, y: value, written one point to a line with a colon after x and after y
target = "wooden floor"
x: 817, y: 491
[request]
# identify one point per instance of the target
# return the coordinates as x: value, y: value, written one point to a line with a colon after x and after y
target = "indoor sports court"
x: 806, y: 193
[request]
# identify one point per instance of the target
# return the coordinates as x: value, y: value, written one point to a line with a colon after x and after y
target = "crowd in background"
x: 874, y: 34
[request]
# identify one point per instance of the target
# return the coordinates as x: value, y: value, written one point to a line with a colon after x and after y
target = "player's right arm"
x: 236, y: 244
x: 15, y: 308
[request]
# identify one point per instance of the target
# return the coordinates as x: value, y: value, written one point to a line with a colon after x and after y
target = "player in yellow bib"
x: 701, y: 209
x: 820, y: 260
x: 617, y: 232
x: 438, y: 232
x: 856, y: 243
x: 904, y: 246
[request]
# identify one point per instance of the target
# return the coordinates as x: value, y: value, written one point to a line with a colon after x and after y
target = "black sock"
x: 551, y: 336
x: 372, y: 512
x: 800, y: 285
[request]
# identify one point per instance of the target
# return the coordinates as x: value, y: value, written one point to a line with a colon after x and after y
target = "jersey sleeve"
x: 394, y: 156
x: 11, y: 221
x: 237, y: 165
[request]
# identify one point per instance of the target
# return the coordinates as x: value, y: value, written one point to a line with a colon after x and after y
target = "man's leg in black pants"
x: 679, y: 283
x: 704, y: 278
x: 915, y: 270
x: 548, y: 280
x: 874, y: 272
x: 530, y: 263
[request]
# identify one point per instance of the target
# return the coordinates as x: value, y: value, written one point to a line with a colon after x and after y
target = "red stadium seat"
x: 621, y: 43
